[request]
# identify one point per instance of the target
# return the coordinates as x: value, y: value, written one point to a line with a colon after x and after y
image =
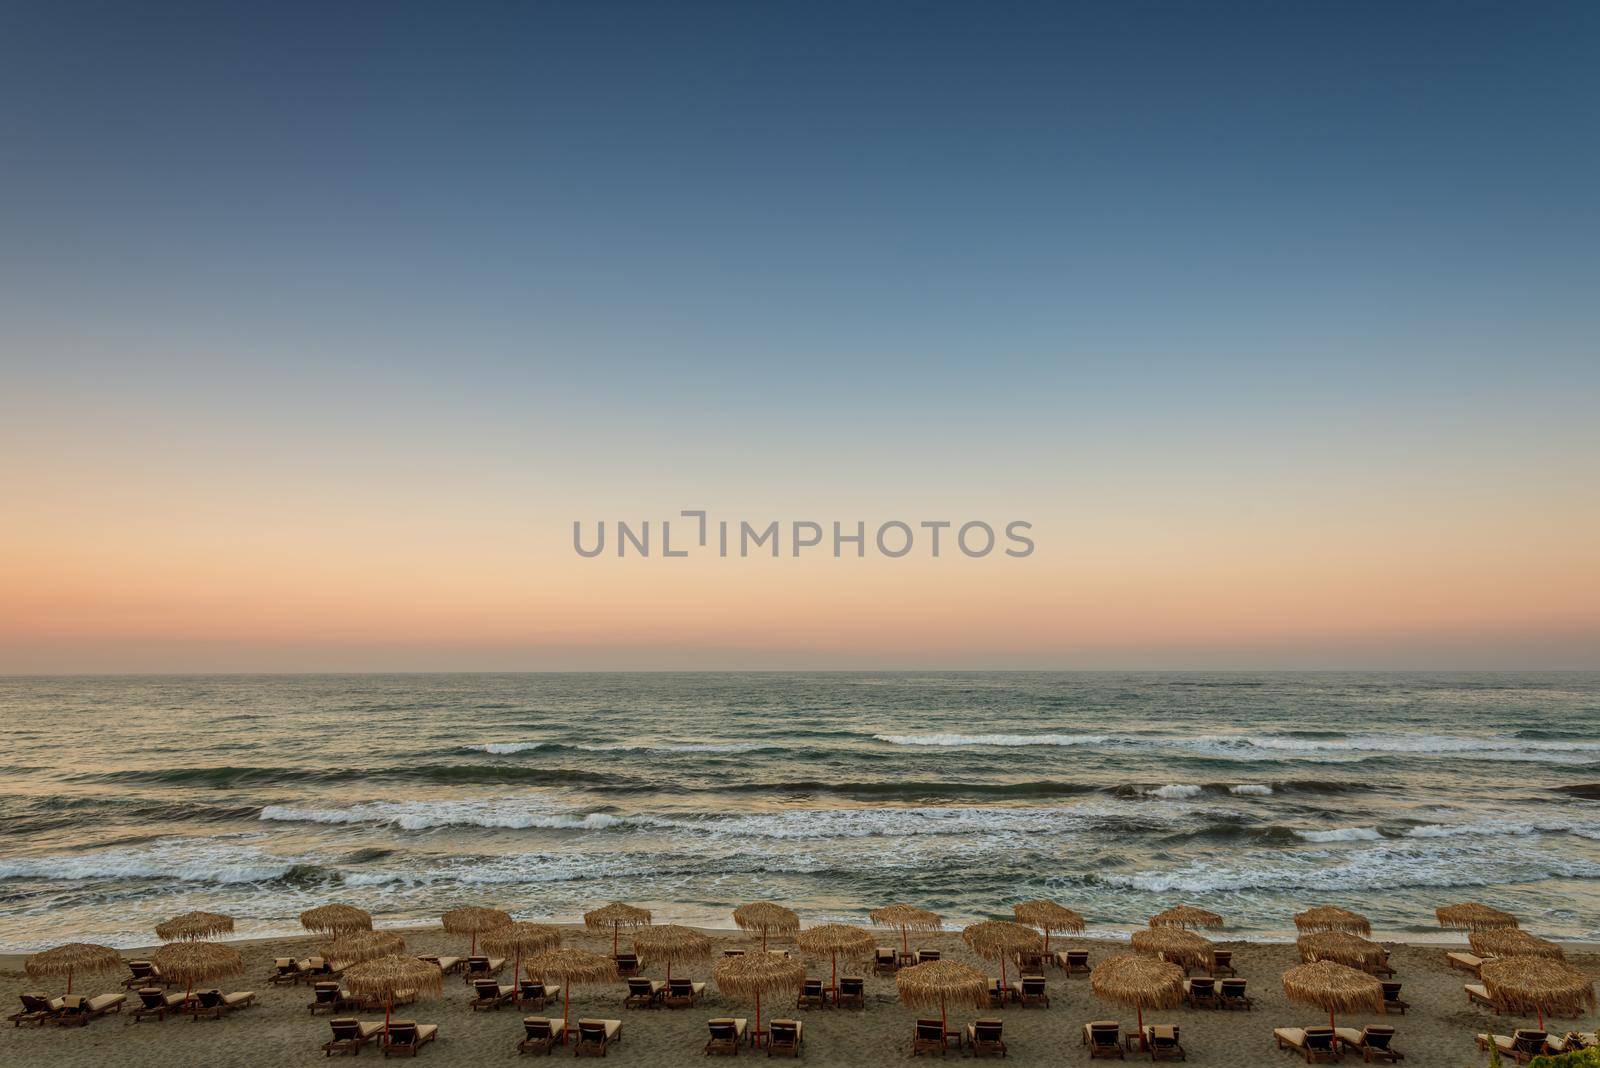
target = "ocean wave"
x: 997, y: 740
x: 428, y: 815
x: 502, y: 748
x: 181, y: 859
x: 505, y: 748
x: 1251, y: 789
x: 1175, y: 791
x: 1342, y: 834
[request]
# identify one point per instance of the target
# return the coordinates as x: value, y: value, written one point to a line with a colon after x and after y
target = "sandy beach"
x: 1437, y: 1031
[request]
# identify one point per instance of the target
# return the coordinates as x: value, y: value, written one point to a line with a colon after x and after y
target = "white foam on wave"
x: 999, y: 740
x: 1342, y: 834
x: 1507, y: 828
x: 1251, y: 789
x: 1175, y: 791
x: 204, y: 860
x: 1400, y: 743
x: 511, y: 814
x: 501, y: 748
x: 504, y: 748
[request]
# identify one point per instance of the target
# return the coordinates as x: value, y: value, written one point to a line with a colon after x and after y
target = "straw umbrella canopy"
x: 905, y: 919
x: 941, y: 982
x: 1181, y: 947
x: 73, y: 957
x: 384, y: 977
x: 473, y: 921
x: 1473, y: 916
x: 519, y: 938
x: 571, y: 966
x: 1331, y: 918
x: 1334, y: 987
x: 1340, y: 946
x: 1048, y: 917
x: 1186, y: 916
x: 363, y: 946
x: 752, y: 975
x: 194, y: 926
x: 336, y: 919
x: 671, y: 944
x: 1538, y: 984
x: 197, y: 962
x: 834, y: 939
x: 1141, y: 982
x: 766, y: 917
x: 616, y: 916
x: 998, y: 940
x: 1511, y: 942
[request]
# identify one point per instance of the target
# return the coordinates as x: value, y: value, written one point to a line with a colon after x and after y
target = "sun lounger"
x: 1522, y: 1045
x: 644, y: 993
x: 627, y: 964
x: 1466, y: 962
x: 143, y: 973
x: 1571, y: 1042
x: 998, y: 995
x: 216, y: 1004
x: 682, y: 993
x: 1073, y: 961
x: 350, y: 1035
x: 597, y: 1036
x: 926, y: 955
x: 852, y: 993
x: 885, y: 961
x: 1222, y: 963
x: 490, y: 995
x: 1478, y: 994
x: 1373, y: 1043
x: 476, y: 968
x: 984, y: 1039
x: 1231, y: 995
x: 406, y: 1037
x: 727, y: 1033
x: 1029, y: 991
x: 314, y: 968
x: 929, y: 1037
x: 811, y: 996
x: 533, y: 994
x: 1033, y: 962
x: 285, y: 972
x: 1161, y: 1041
x: 1380, y: 968
x: 1316, y: 1044
x: 1392, y: 1001
x: 446, y: 964
x: 78, y: 1010
x: 540, y: 1035
x: 786, y: 1038
x: 153, y: 1001
x: 1104, y: 1039
x: 1201, y: 993
x: 37, y: 1009
x: 328, y: 997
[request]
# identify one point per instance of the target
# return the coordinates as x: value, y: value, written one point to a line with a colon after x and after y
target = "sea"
x: 124, y: 800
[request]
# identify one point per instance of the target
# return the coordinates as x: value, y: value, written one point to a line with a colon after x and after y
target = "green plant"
x: 1587, y: 1058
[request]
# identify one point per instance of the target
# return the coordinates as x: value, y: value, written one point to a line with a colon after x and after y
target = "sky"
x: 321, y: 325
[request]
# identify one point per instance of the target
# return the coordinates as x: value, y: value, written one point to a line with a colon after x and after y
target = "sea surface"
x: 125, y: 800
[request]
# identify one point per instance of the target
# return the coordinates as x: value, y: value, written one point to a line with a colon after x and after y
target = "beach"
x: 1435, y: 1033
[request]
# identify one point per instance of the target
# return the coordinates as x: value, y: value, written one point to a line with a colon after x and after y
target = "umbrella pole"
x: 69, y: 980
x: 566, y: 1006
x: 1144, y: 1044
x: 905, y: 941
x: 388, y: 1010
x: 1330, y: 1019
x: 836, y: 978
x: 616, y: 929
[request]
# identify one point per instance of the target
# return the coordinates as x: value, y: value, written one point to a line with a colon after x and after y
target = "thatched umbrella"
x: 519, y: 938
x: 473, y: 921
x: 73, y: 957
x: 336, y: 919
x: 1181, y: 947
x: 671, y: 944
x: 571, y: 966
x: 751, y: 975
x: 384, y: 977
x: 363, y: 946
x: 1331, y: 918
x: 834, y: 939
x: 1538, y: 984
x: 905, y: 919
x: 197, y: 962
x: 1186, y: 916
x: 999, y: 939
x: 1333, y: 986
x: 194, y: 926
x: 766, y: 916
x: 1341, y: 947
x: 1141, y: 982
x: 1048, y: 917
x: 1511, y: 942
x: 1473, y: 916
x: 939, y: 982
x: 616, y: 916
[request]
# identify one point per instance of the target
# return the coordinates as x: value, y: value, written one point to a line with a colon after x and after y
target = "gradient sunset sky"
x: 321, y: 324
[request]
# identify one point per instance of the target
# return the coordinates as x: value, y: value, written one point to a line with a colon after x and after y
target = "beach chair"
x: 682, y: 993
x: 37, y: 1009
x: 76, y: 1010
x: 350, y: 1035
x: 997, y: 993
x: 928, y: 1038
x: 786, y: 1038
x: 1380, y: 968
x: 727, y: 1034
x: 1231, y: 995
x: 1373, y: 1043
x: 215, y: 1004
x: 926, y: 955
x: 475, y: 968
x: 1222, y: 963
x: 155, y: 1002
x: 1317, y: 1044
x: 1392, y: 1001
x: 489, y: 995
x: 643, y: 993
x: 532, y: 994
x: 984, y: 1039
x: 1161, y: 1041
x: 1478, y: 994
x: 314, y: 968
x: 285, y: 972
x: 885, y: 961
x: 1522, y: 1045
x: 1033, y: 961
x: 328, y: 997
x: 852, y: 993
x: 1571, y: 1042
x: 811, y: 996
x: 446, y: 964
x: 143, y: 973
x: 541, y: 1035
x: 1200, y: 993
x: 627, y: 964
x: 405, y: 1037
x: 1466, y: 962
x: 1104, y: 1039
x: 1029, y: 991
x: 597, y: 1036
x: 1073, y: 962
